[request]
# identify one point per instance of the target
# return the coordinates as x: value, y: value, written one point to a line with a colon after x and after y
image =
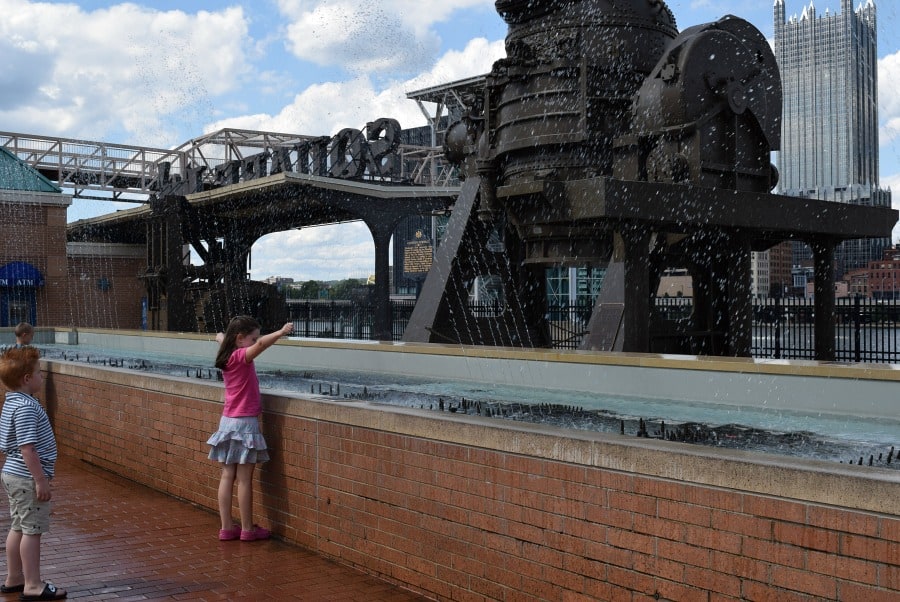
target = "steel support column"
x: 737, y: 270
x: 636, y: 319
x: 823, y: 257
x: 382, y: 328
x: 176, y: 317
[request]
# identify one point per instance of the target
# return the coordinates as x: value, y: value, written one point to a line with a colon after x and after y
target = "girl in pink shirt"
x: 239, y: 444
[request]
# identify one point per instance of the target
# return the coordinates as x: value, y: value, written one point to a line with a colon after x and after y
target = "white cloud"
x: 889, y: 126
x: 21, y: 77
x: 317, y: 253
x: 323, y: 109
x: 889, y: 97
x: 893, y: 182
x: 126, y: 71
x: 386, y: 36
x: 889, y: 130
x: 476, y: 58
x: 358, y: 38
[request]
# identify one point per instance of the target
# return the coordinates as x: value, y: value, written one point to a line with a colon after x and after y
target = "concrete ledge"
x: 42, y: 336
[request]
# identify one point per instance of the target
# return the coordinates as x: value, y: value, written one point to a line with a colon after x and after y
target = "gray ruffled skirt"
x: 238, y: 441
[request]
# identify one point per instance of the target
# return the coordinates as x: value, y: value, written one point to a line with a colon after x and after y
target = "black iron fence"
x: 344, y: 319
x: 867, y: 330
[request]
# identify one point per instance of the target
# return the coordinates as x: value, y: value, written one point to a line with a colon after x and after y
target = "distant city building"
x: 829, y: 141
x: 770, y: 272
x: 675, y: 282
x: 880, y: 279
x: 573, y: 285
x: 278, y: 280
x: 780, y: 263
x: 759, y: 275
x: 802, y: 281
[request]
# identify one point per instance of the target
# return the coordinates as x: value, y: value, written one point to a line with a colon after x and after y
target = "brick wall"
x: 463, y: 508
x: 85, y: 284
x: 105, y: 290
x: 34, y: 231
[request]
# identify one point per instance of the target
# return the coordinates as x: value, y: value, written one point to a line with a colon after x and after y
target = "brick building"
x: 879, y: 279
x: 48, y: 282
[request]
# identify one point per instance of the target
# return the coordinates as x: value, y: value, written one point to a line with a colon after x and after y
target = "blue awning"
x: 20, y: 274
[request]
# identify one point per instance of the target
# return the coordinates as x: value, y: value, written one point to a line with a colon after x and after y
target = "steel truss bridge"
x: 120, y: 172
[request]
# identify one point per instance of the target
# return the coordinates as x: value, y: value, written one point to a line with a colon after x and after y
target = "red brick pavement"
x: 112, y: 539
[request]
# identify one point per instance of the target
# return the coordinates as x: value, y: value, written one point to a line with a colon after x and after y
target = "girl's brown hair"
x: 242, y: 325
x: 16, y: 363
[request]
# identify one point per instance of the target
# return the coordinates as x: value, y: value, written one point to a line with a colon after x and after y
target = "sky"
x: 158, y: 73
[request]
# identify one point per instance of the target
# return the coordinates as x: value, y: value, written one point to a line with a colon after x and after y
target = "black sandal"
x: 51, y: 592
x: 12, y: 589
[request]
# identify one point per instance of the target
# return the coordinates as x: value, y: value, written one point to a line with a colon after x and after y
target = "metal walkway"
x: 121, y: 172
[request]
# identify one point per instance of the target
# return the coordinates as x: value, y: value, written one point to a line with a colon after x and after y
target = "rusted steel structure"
x: 220, y: 193
x: 606, y: 138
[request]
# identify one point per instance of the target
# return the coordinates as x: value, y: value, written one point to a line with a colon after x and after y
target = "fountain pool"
x: 832, y: 436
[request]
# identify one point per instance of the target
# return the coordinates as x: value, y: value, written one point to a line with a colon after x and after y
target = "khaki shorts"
x: 28, y: 515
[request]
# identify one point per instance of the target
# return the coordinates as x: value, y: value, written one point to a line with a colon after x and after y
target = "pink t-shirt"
x: 241, y: 386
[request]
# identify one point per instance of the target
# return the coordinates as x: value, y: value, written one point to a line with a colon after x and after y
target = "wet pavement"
x: 113, y: 539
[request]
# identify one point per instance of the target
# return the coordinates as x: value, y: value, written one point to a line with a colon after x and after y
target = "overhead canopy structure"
x: 18, y: 175
x: 221, y: 224
x: 20, y: 274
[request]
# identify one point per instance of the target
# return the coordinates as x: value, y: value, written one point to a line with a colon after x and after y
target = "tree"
x: 346, y: 289
x: 309, y: 289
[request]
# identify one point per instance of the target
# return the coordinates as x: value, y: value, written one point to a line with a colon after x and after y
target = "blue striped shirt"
x: 24, y: 421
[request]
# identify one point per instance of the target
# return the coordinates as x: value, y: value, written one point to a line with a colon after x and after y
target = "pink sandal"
x: 228, y: 534
x: 257, y: 533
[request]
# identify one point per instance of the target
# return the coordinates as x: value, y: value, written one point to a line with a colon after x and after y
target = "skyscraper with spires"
x: 829, y: 130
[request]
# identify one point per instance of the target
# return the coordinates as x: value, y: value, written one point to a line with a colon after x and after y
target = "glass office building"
x: 829, y: 130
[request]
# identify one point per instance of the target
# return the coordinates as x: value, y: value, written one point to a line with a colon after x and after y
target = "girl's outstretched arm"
x: 264, y: 342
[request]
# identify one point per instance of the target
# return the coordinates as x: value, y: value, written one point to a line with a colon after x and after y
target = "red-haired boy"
x: 27, y: 439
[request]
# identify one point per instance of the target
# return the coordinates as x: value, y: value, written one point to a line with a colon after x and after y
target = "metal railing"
x: 90, y: 168
x: 866, y: 330
x: 344, y: 319
x: 109, y: 172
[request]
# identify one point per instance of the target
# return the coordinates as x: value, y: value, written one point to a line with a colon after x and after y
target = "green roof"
x: 15, y: 174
